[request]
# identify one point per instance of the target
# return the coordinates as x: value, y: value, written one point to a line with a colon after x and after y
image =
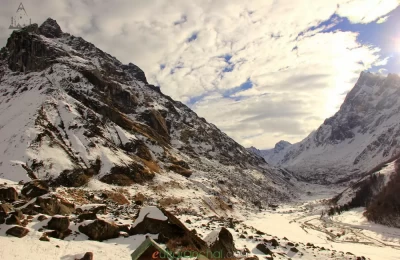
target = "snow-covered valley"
x: 298, y: 225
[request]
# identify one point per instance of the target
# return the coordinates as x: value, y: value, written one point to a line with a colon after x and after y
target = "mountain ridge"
x: 80, y: 114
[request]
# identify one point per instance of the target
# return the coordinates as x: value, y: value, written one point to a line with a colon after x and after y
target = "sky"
x: 260, y: 70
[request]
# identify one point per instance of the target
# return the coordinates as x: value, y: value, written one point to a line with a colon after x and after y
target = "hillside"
x: 71, y: 113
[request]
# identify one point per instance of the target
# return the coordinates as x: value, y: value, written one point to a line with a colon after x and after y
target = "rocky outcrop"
x: 50, y: 29
x: 155, y: 120
x: 27, y: 52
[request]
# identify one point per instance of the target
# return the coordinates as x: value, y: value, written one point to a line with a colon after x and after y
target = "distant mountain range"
x: 362, y: 135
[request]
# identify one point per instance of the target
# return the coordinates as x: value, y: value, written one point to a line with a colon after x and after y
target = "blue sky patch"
x: 384, y: 35
x: 193, y: 37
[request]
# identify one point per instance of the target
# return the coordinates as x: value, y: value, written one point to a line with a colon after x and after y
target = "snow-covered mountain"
x: 271, y: 155
x: 363, y: 134
x: 70, y: 113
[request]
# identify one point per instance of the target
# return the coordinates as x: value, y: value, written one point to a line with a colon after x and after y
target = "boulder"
x: 100, y: 230
x: 274, y: 242
x: 169, y: 229
x: 222, y: 242
x: 87, y: 216
x: 13, y: 220
x: 87, y: 256
x: 41, y: 218
x: 293, y: 249
x: 49, y: 205
x: 59, y: 223
x: 8, y: 194
x: 17, y: 231
x: 92, y: 208
x: 35, y: 188
x: 254, y: 257
x: 44, y: 237
x: 263, y: 248
x: 59, y: 234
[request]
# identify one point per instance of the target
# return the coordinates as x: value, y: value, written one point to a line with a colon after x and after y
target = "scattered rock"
x: 95, y: 208
x: 5, y: 209
x: 100, y: 230
x: 42, y: 217
x: 49, y: 205
x: 8, y: 194
x: 274, y: 242
x: 35, y: 188
x: 59, y: 234
x: 17, y: 231
x: 59, y: 223
x: 44, y: 237
x: 254, y: 257
x: 258, y: 232
x: 263, y: 248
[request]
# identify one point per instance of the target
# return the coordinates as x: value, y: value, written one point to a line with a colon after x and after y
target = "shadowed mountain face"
x: 363, y: 134
x: 70, y: 112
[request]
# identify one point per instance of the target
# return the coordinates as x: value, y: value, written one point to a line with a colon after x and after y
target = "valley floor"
x: 297, y: 225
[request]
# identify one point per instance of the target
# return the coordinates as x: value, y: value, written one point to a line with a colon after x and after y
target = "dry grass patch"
x: 152, y: 165
x: 117, y: 197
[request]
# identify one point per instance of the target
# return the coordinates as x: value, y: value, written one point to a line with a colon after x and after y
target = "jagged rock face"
x: 364, y: 133
x: 50, y: 29
x: 86, y: 115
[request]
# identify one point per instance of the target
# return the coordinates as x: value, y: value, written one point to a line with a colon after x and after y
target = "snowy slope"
x: 271, y: 155
x: 364, y: 133
x: 70, y: 113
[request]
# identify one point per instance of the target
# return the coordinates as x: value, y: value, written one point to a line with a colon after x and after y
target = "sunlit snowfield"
x: 348, y: 232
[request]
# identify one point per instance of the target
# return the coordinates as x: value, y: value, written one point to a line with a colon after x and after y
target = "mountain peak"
x: 281, y: 145
x: 50, y: 29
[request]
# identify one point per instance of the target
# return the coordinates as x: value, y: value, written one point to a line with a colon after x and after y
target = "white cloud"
x: 297, y: 80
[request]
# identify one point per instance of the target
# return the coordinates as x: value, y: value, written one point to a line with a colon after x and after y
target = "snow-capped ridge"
x: 72, y: 113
